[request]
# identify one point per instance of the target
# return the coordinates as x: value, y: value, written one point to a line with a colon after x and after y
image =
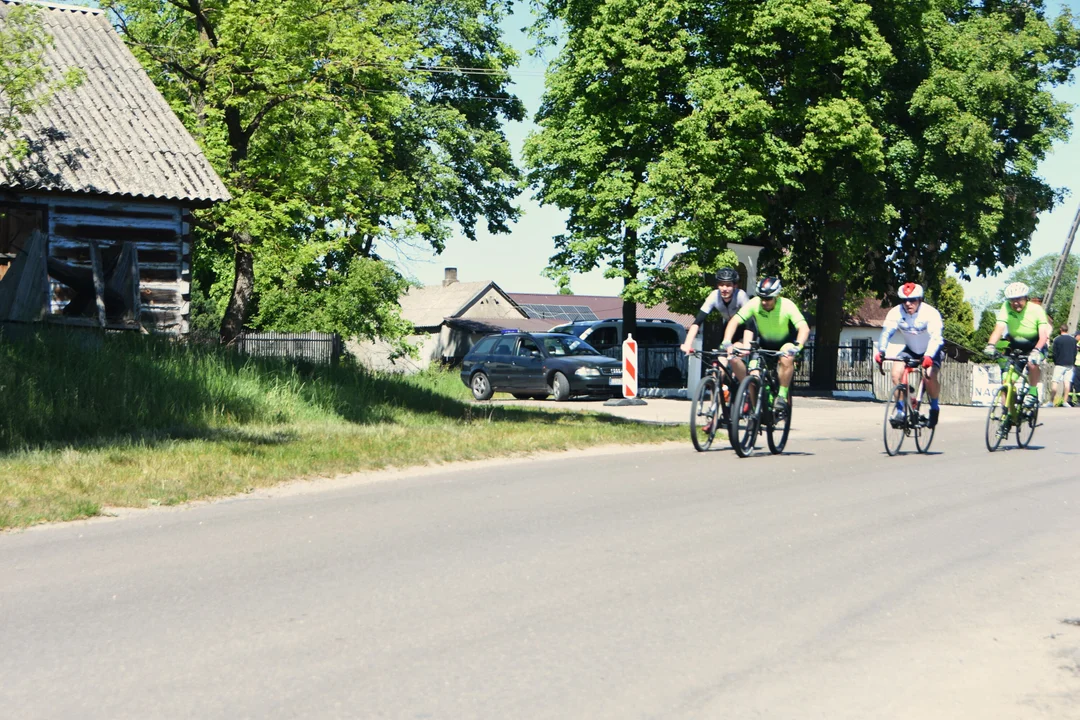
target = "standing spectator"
x: 1074, y: 397
x: 1063, y: 351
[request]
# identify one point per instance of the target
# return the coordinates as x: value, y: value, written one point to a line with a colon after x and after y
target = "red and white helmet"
x: 910, y: 291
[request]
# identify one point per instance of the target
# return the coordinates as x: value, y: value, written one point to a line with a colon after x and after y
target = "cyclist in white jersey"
x: 727, y: 299
x: 922, y: 330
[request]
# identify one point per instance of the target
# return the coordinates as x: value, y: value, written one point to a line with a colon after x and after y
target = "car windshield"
x: 557, y: 345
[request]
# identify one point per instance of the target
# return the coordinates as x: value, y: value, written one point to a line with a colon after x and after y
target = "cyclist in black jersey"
x: 727, y: 299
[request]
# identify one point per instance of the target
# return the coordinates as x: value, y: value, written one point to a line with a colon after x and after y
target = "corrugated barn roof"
x: 112, y: 135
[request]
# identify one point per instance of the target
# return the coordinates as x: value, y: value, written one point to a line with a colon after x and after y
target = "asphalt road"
x: 830, y: 582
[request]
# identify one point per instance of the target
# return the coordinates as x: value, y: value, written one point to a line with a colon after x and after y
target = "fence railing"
x: 313, y: 347
x: 658, y: 365
x: 854, y: 368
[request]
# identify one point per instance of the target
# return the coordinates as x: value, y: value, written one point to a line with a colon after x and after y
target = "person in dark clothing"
x: 1064, y: 353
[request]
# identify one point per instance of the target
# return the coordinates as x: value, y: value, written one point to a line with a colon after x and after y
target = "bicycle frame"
x: 1009, y: 376
x: 910, y: 367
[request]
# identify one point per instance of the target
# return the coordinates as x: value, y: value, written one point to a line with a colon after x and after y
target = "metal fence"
x: 313, y: 347
x: 658, y: 365
x: 854, y: 368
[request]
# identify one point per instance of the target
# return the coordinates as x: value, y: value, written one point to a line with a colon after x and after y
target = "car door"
x: 527, y: 367
x: 498, y: 365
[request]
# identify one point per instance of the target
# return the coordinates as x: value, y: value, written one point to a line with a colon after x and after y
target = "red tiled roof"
x: 869, y: 314
x: 603, y: 306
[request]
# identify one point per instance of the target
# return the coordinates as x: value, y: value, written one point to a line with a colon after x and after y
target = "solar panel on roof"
x: 558, y: 312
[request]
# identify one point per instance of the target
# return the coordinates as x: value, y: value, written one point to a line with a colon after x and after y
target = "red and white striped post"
x: 629, y: 367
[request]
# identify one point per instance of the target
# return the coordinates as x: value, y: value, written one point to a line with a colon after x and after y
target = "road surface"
x: 830, y: 582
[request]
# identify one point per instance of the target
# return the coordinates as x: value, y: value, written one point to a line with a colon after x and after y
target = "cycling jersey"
x: 1023, y: 325
x: 775, y: 327
x: 738, y: 300
x: 922, y: 331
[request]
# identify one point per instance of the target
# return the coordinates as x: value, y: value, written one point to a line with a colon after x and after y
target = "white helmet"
x: 1016, y: 290
x: 910, y: 291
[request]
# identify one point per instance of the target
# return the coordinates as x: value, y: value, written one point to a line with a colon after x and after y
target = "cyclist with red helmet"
x: 777, y: 322
x: 1029, y: 330
x: 922, y: 329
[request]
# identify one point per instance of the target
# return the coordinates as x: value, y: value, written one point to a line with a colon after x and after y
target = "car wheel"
x: 560, y: 387
x: 481, y: 386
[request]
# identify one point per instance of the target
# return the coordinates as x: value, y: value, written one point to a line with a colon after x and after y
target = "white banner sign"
x: 985, y: 379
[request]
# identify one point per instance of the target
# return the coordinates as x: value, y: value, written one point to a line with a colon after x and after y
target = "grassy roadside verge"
x: 90, y: 422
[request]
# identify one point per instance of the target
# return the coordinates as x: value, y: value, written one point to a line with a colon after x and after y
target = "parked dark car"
x: 535, y: 365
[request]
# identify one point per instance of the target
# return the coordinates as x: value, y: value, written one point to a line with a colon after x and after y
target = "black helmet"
x: 726, y: 274
x: 769, y: 287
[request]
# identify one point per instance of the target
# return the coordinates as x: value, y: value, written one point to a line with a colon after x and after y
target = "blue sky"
x: 514, y: 261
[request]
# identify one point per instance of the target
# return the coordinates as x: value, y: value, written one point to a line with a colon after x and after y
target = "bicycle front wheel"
x: 1026, y: 428
x: 892, y: 430
x: 777, y: 431
x: 745, y: 416
x: 924, y: 434
x: 997, y: 420
x: 705, y: 413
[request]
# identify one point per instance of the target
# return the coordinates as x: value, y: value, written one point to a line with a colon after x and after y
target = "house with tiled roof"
x: 95, y: 220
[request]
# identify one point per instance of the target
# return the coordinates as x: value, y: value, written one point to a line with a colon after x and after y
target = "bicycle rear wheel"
x: 745, y: 416
x: 1026, y: 428
x: 705, y: 413
x: 894, y: 436
x: 777, y: 431
x: 997, y: 420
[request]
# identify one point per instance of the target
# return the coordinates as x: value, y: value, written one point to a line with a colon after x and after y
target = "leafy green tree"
x: 870, y: 142
x: 987, y: 321
x: 343, y: 130
x: 612, y: 98
x: 865, y: 143
x: 25, y: 83
x: 1037, y: 277
x: 956, y: 312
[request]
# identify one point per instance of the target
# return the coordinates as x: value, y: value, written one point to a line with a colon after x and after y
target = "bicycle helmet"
x: 1016, y: 291
x: 910, y: 291
x: 769, y: 287
x: 726, y: 274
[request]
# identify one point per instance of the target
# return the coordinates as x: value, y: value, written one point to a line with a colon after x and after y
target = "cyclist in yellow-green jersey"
x: 1029, y: 330
x: 778, y: 322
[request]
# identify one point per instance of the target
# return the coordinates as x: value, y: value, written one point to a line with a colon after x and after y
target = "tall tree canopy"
x: 613, y: 97
x: 1036, y: 275
x: 25, y: 82
x: 956, y: 312
x: 341, y: 127
x: 864, y: 142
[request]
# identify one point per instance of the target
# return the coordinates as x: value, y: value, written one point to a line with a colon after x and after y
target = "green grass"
x: 90, y: 421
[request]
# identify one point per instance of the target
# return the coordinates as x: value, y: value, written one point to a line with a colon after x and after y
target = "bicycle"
x: 1007, y: 409
x: 753, y: 408
x: 913, y: 421
x: 711, y: 406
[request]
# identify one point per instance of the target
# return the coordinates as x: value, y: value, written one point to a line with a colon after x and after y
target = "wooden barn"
x: 95, y: 220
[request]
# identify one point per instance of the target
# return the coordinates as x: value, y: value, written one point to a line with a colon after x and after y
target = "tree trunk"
x: 236, y: 314
x: 629, y: 307
x: 830, y: 320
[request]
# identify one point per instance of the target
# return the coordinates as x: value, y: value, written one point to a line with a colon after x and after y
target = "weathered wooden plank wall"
x: 132, y: 257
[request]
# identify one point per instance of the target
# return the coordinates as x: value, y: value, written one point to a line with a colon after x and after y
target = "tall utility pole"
x: 1059, y: 270
x: 1074, y: 309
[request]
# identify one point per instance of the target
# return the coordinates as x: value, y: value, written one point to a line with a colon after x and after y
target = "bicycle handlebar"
x: 910, y: 363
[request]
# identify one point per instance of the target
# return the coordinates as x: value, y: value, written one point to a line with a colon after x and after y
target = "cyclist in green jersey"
x: 778, y: 322
x: 1029, y: 330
